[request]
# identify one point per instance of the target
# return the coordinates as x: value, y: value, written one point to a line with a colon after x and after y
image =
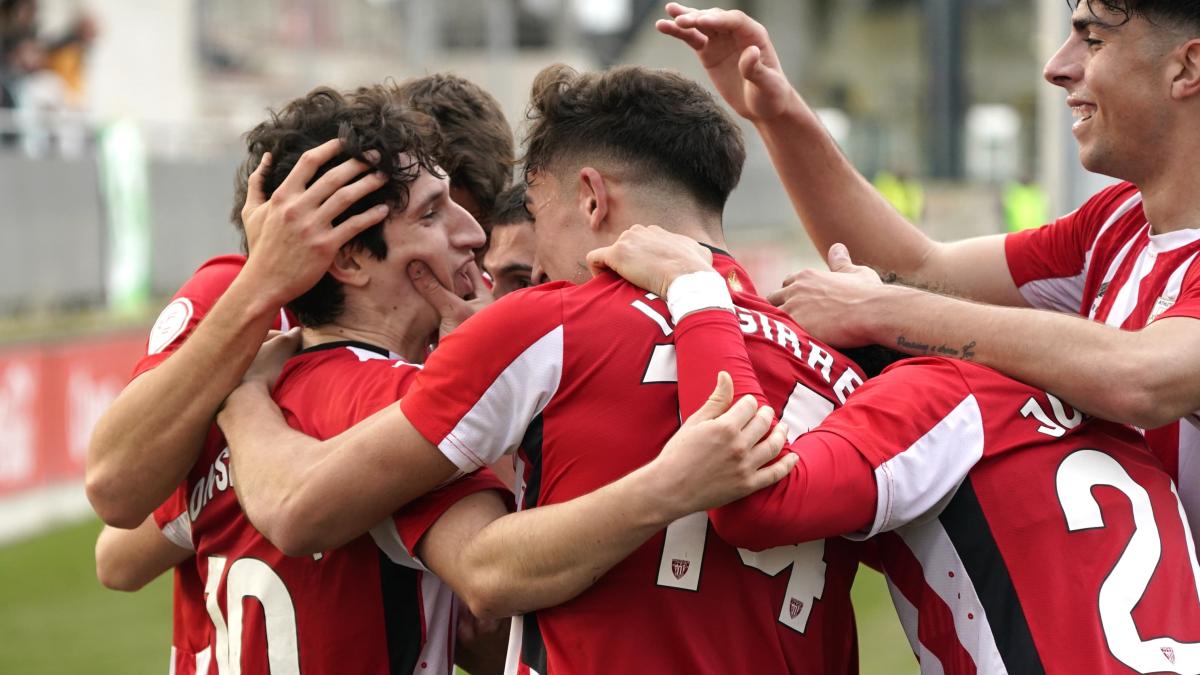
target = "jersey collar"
x: 347, y: 343
x: 735, y: 275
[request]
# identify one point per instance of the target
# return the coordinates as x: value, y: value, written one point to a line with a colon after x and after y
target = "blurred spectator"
x: 1026, y: 205
x: 903, y: 192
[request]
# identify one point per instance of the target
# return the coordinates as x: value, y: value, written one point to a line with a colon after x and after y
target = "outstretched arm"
x: 1144, y: 377
x: 834, y: 202
x: 547, y: 555
x: 145, y: 443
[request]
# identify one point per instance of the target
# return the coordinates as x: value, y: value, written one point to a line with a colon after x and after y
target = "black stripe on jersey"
x: 532, y: 445
x: 533, y: 647
x: 399, y: 588
x: 972, y: 538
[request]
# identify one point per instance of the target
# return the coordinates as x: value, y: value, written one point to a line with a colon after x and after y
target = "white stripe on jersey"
x: 388, y: 540
x: 439, y: 615
x: 909, y: 619
x: 1127, y: 295
x: 918, y: 482
x: 179, y: 532
x: 1065, y: 294
x: 945, y: 574
x: 284, y: 324
x: 203, y: 659
x: 498, y: 421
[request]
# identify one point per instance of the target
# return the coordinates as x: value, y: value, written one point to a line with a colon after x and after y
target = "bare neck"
x: 1172, y: 201
x: 401, y: 332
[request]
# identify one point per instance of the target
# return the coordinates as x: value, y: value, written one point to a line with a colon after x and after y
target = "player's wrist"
x: 697, y: 291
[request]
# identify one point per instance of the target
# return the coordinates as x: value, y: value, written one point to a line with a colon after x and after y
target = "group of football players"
x: 410, y: 459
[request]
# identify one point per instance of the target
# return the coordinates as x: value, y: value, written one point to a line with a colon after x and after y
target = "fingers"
x: 839, y: 258
x: 775, y: 472
x: 347, y: 195
x: 675, y: 9
x: 691, y: 36
x: 352, y: 227
x: 255, y: 193
x: 306, y: 167
x: 340, y: 176
x: 597, y: 260
x: 718, y: 401
x: 757, y: 427
x: 778, y: 298
x: 482, y: 291
x: 445, y: 302
x: 750, y: 65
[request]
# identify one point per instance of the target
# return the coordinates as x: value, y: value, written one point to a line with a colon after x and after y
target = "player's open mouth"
x: 465, y: 285
x: 1082, y: 112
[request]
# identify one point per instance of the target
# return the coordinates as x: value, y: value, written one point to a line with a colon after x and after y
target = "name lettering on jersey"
x: 217, y: 481
x: 782, y: 336
x: 1061, y: 422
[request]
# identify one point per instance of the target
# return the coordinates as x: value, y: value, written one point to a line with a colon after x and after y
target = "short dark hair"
x: 510, y: 207
x: 1165, y: 13
x: 368, y: 119
x: 477, y: 150
x: 657, y: 121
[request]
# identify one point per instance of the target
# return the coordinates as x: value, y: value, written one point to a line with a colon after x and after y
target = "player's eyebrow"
x: 426, y: 201
x: 1085, y: 24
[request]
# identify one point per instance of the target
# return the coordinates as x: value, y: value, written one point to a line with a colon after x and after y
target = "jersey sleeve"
x: 173, y: 519
x: 191, y: 303
x: 919, y: 428
x: 1188, y: 302
x: 829, y: 491
x: 1048, y: 264
x: 713, y: 342
x: 399, y: 535
x: 489, y: 379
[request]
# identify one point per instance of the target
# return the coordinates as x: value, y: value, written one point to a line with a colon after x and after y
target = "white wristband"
x: 696, y: 291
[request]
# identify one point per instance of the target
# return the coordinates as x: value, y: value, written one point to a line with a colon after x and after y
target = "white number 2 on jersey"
x: 1123, y: 589
x: 683, y: 547
x: 249, y: 577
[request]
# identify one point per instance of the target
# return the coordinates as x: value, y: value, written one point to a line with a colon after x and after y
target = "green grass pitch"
x: 56, y: 618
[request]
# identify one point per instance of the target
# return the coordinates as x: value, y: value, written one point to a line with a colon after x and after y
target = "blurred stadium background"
x: 120, y: 125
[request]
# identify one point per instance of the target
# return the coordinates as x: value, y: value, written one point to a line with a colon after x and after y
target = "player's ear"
x: 347, y: 267
x: 1185, y: 82
x: 593, y: 197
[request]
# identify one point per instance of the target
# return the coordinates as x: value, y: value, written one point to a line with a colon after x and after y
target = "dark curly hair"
x: 510, y: 207
x: 1164, y: 13
x: 369, y: 119
x: 477, y: 148
x: 655, y: 121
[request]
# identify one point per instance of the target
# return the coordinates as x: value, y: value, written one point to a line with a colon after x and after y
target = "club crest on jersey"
x: 679, y: 567
x: 735, y: 284
x: 795, y: 607
x: 1161, y: 305
x: 1169, y: 652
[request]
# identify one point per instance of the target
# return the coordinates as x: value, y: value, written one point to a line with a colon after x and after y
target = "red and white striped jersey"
x: 581, y: 382
x: 1103, y: 262
x: 368, y: 606
x: 190, y: 652
x: 1018, y: 536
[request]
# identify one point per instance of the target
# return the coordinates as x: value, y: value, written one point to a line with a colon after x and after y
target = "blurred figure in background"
x: 1025, y: 204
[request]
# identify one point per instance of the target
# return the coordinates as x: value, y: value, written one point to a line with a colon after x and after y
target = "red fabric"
x: 1011, y: 514
x: 1106, y: 260
x: 581, y: 379
x: 354, y: 610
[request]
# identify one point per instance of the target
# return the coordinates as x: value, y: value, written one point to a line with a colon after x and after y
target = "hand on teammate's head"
x: 291, y: 236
